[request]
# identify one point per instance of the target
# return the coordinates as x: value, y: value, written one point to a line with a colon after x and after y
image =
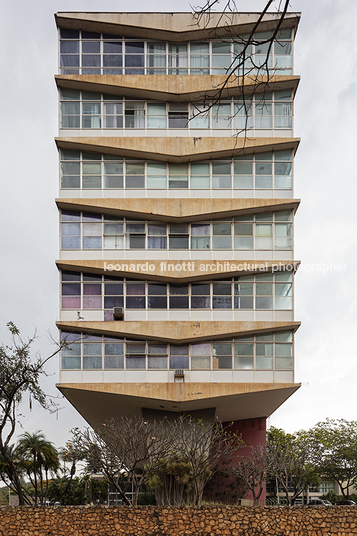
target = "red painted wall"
x: 253, y: 432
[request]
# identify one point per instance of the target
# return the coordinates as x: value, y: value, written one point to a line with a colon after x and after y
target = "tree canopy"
x: 335, y: 444
x: 20, y: 373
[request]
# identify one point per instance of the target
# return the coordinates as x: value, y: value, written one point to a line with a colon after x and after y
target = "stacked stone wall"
x: 155, y: 521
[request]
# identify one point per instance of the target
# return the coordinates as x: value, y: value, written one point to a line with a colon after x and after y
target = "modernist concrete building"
x: 176, y: 211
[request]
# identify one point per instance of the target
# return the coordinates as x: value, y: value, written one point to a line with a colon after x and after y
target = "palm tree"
x: 38, y: 455
x: 7, y: 463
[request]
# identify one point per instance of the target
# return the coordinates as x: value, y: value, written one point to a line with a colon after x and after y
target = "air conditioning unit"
x: 179, y: 373
x: 118, y: 313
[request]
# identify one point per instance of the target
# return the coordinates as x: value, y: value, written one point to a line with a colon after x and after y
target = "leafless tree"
x: 179, y: 455
x: 252, y: 469
x: 126, y: 450
x: 204, y: 446
x: 249, y: 75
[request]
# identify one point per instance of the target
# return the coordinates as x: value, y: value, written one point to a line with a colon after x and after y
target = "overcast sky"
x: 325, y: 180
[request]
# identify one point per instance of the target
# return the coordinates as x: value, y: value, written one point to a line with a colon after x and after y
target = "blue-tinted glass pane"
x: 92, y: 242
x: 135, y: 47
x: 69, y: 34
x: 70, y: 47
x: 71, y: 242
x: 112, y: 47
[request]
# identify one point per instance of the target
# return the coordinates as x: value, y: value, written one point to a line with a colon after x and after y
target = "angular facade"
x: 176, y: 212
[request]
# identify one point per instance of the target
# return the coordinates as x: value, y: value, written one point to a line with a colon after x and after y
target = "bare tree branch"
x: 19, y: 374
x: 248, y: 76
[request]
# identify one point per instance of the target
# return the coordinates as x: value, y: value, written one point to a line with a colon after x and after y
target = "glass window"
x: 178, y: 176
x: 243, y: 174
x: 179, y: 356
x: 221, y: 57
x: 263, y: 114
x: 156, y: 58
x: 156, y: 175
x: 200, y: 296
x: 283, y: 236
x: 221, y: 238
x: 92, y: 352
x: 112, y: 57
x: 199, y: 116
x: 261, y: 58
x: 157, y: 296
x: 135, y: 295
x: 113, y: 235
x: 284, y: 336
x: 113, y: 114
x: 199, y: 58
x: 179, y: 238
x: 135, y: 355
x: 134, y: 57
x: 282, y: 48
x: 178, y: 59
x: 156, y: 115
x: 91, y: 114
x: 179, y: 297
x: 200, y: 175
x: 69, y: 47
x: 178, y: 115
x: 222, y: 115
x: 113, y: 354
x: 70, y: 174
x: 263, y: 175
x: 200, y: 236
x: 221, y: 175
x: 243, y: 236
x: 282, y: 109
x: 113, y: 175
x: 282, y: 174
x: 157, y: 238
x: 222, y: 295
x: 113, y: 295
x: 244, y: 355
x: 241, y: 46
x: 157, y: 356
x: 222, y: 355
x: 69, y: 63
x: 71, y: 295
x: 263, y: 236
x: 201, y: 356
x: 134, y: 114
x: 264, y: 295
x: 71, y: 276
x: 283, y: 356
x: 71, y: 354
x: 283, y: 295
x: 92, y: 296
x: 91, y: 175
x: 242, y: 115
x: 261, y: 352
x: 282, y: 115
x: 65, y: 33
x: 243, y: 295
x: 264, y: 354
x: 135, y: 175
x: 70, y: 113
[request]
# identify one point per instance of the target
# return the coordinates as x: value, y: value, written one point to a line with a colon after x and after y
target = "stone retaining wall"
x: 155, y: 521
